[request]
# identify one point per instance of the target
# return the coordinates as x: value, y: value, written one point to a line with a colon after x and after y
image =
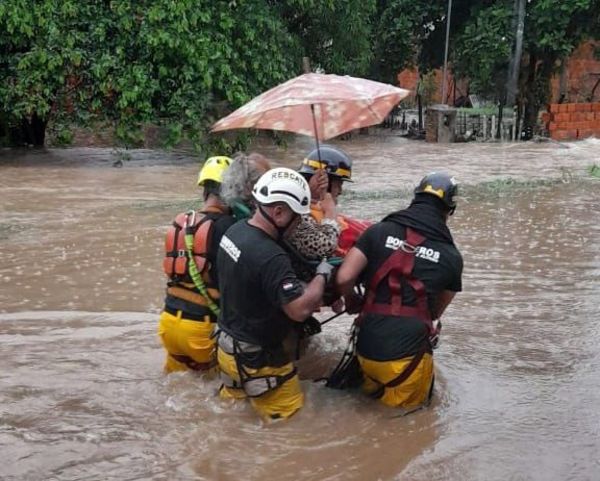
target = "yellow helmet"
x: 213, y: 169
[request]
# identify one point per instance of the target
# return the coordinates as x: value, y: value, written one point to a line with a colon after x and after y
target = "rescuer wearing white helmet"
x: 261, y: 298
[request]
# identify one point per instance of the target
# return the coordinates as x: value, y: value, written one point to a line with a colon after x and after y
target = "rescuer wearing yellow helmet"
x: 192, y: 301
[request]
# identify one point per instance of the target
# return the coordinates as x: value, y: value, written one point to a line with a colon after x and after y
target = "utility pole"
x: 513, y: 81
x: 446, y: 52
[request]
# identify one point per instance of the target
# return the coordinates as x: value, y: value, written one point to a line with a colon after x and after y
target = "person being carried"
x: 325, y: 232
x: 262, y: 297
x: 236, y: 190
x: 186, y: 324
x: 412, y: 270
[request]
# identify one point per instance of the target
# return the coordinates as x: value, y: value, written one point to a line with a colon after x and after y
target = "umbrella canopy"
x: 319, y: 105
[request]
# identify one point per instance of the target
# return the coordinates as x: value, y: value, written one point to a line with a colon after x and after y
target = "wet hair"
x: 240, y: 177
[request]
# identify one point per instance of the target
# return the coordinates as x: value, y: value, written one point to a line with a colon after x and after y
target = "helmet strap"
x: 280, y: 230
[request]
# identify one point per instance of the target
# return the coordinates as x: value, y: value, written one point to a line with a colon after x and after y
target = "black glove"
x: 311, y: 326
x: 325, y: 269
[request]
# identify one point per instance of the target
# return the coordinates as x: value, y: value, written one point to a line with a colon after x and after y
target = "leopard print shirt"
x: 316, y: 240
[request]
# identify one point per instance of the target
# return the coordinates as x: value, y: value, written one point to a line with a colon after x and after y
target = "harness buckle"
x: 181, y: 253
x: 257, y: 386
x: 434, y: 339
x: 408, y: 248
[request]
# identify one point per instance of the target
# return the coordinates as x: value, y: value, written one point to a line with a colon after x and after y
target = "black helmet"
x: 442, y: 186
x: 335, y: 162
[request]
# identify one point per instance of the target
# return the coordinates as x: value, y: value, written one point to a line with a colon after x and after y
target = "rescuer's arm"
x: 443, y: 300
x: 347, y: 275
x: 284, y: 289
x: 302, y: 307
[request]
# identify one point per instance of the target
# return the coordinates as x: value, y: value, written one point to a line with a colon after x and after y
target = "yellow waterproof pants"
x: 410, y: 394
x: 188, y: 343
x: 279, y: 403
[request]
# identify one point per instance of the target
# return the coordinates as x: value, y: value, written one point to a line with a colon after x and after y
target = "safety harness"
x: 398, y: 269
x: 254, y: 357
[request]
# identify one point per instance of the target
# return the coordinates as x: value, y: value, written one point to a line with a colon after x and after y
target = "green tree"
x: 132, y: 62
x: 335, y: 35
x: 482, y: 48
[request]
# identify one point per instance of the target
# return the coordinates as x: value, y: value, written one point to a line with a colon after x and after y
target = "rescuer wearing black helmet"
x: 411, y: 270
x: 442, y: 186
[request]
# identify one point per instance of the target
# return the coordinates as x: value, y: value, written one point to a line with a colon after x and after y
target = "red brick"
x: 564, y: 134
x: 562, y: 108
x: 589, y: 116
x: 554, y: 108
x: 585, y: 133
x: 562, y: 117
x: 577, y: 116
x: 582, y: 125
x: 571, y: 107
x: 552, y: 126
x: 596, y: 107
x: 585, y: 107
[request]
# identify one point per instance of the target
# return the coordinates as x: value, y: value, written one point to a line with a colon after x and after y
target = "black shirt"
x: 222, y: 222
x: 437, y: 264
x: 255, y: 280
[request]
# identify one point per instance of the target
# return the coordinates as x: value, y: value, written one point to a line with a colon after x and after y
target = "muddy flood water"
x: 83, y: 396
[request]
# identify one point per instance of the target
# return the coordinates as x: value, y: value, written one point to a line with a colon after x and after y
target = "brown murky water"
x: 83, y: 397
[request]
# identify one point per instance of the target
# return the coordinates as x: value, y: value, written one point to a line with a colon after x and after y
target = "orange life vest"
x: 175, y: 262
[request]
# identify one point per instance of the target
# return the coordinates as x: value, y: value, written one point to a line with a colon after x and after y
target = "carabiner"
x: 406, y: 247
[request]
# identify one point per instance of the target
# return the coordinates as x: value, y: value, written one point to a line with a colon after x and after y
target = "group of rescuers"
x: 236, y: 291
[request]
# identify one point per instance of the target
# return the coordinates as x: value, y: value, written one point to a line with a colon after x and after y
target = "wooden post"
x: 484, y: 126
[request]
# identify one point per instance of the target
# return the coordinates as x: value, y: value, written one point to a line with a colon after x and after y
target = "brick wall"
x: 409, y: 78
x: 583, y: 71
x: 573, y: 121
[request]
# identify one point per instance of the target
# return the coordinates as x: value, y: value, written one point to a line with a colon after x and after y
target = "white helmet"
x: 283, y: 185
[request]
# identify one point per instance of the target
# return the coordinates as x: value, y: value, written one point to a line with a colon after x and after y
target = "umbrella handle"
x: 312, y: 109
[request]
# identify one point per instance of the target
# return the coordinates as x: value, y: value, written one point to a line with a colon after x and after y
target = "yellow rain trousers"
x: 188, y: 343
x: 279, y: 403
x: 410, y: 394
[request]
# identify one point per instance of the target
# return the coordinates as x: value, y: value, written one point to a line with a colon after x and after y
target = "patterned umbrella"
x: 319, y: 105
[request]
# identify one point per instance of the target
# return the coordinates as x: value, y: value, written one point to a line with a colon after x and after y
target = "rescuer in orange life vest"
x: 191, y: 308
x: 411, y: 270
